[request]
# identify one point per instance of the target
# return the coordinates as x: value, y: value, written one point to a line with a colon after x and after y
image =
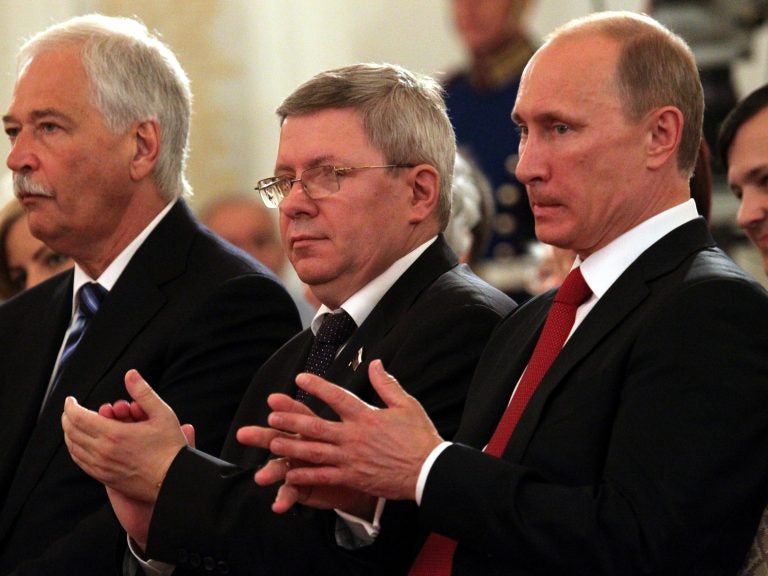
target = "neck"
x: 96, y: 257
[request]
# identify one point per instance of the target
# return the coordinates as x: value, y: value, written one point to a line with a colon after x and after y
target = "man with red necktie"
x: 641, y: 446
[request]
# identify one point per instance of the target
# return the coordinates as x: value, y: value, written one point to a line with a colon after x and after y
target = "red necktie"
x: 436, y: 556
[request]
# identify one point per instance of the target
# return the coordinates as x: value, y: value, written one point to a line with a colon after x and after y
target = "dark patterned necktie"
x: 436, y: 556
x: 89, y: 299
x: 334, y: 331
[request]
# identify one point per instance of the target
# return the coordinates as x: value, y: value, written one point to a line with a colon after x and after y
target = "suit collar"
x: 362, y: 302
x: 437, y: 259
x: 602, y: 268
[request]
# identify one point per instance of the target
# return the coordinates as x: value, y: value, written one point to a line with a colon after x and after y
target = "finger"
x: 137, y: 413
x: 121, y: 411
x: 287, y: 496
x: 144, y: 396
x: 81, y: 421
x: 300, y: 448
x: 310, y: 427
x: 189, y: 433
x: 107, y: 411
x: 309, y: 476
x: 342, y: 401
x: 386, y: 385
x: 79, y: 442
x: 285, y: 403
x: 256, y: 436
x: 273, y: 471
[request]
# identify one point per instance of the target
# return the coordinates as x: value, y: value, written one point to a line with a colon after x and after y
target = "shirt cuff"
x: 150, y: 567
x: 426, y: 467
x: 353, y: 532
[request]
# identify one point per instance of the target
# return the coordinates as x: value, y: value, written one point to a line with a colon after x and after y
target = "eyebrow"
x: 756, y: 173
x: 318, y: 161
x: 543, y: 117
x: 44, y: 113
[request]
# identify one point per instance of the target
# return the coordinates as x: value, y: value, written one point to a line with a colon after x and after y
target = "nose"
x: 21, y: 157
x: 531, y: 166
x: 753, y: 208
x: 296, y: 203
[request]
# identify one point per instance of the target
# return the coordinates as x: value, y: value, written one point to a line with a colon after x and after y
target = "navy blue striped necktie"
x: 89, y: 299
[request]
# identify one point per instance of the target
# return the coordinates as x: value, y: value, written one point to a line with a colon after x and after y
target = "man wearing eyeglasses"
x: 362, y: 182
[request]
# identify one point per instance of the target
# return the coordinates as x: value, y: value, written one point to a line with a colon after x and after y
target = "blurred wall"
x: 245, y: 56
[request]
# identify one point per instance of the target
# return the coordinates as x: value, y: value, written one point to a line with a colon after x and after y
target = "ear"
x: 665, y: 129
x: 146, y: 143
x: 424, y: 182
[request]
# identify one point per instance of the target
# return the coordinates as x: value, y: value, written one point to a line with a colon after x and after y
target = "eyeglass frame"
x: 265, y: 184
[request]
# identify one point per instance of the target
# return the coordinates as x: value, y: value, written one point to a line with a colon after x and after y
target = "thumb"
x: 386, y: 385
x: 189, y: 434
x: 143, y: 394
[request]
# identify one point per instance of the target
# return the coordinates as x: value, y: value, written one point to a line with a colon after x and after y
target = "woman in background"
x: 24, y: 260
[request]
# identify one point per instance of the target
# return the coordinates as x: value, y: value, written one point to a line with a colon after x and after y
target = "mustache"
x: 23, y: 185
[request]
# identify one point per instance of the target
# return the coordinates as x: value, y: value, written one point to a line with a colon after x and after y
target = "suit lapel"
x: 499, y: 368
x: 388, y: 312
x: 628, y: 293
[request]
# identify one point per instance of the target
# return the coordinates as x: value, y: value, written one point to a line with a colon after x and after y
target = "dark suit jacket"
x: 644, y: 449
x: 429, y: 330
x: 194, y: 316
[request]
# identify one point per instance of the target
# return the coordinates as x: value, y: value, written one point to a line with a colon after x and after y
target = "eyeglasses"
x: 317, y: 182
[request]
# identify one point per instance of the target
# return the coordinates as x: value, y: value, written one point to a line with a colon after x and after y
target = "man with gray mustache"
x: 98, y: 125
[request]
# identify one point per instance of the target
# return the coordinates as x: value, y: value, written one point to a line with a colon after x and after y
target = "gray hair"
x: 468, y: 230
x: 403, y: 115
x: 134, y: 77
x: 655, y: 68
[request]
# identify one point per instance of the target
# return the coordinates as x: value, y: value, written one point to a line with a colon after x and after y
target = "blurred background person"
x: 480, y: 99
x: 243, y: 220
x: 25, y: 261
x: 743, y: 148
x: 553, y: 266
x: 472, y: 211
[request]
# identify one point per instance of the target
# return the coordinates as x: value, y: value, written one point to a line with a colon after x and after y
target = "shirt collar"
x: 362, y: 302
x: 602, y: 268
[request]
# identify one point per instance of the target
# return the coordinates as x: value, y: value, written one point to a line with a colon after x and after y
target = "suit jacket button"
x: 222, y: 567
x: 209, y: 564
x: 194, y: 560
x: 183, y: 556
